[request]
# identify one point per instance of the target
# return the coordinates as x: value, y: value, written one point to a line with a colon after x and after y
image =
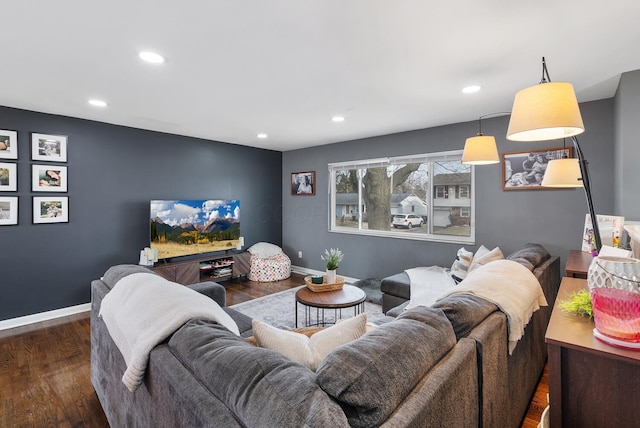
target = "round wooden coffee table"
x: 348, y: 297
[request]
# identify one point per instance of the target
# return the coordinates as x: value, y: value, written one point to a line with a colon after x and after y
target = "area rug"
x: 278, y: 309
x: 371, y: 287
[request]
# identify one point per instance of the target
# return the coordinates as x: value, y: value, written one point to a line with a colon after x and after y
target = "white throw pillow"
x: 265, y: 250
x: 461, y: 264
x: 309, y: 351
x: 485, y: 257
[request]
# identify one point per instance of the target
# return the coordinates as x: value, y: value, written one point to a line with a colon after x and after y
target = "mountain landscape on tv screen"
x: 185, y: 227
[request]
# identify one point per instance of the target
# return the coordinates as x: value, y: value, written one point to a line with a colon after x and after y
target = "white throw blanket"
x: 510, y: 286
x: 428, y: 284
x: 144, y: 309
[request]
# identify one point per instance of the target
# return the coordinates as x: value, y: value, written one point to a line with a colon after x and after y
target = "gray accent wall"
x: 113, y: 173
x: 508, y: 219
x: 627, y: 131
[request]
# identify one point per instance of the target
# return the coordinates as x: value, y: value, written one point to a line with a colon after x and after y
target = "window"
x: 424, y: 197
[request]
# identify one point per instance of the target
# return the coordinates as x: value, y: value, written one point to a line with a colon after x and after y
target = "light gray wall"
x: 509, y: 219
x: 627, y: 154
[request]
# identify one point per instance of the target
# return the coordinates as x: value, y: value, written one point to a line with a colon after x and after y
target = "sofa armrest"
x: 212, y: 290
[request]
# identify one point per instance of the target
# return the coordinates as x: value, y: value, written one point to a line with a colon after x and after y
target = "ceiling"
x: 284, y: 67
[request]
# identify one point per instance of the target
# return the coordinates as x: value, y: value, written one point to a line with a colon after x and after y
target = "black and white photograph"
x: 8, y: 210
x: 48, y: 178
x: 8, y: 144
x: 303, y: 183
x: 49, y: 148
x: 525, y: 170
x: 8, y: 177
x: 50, y: 209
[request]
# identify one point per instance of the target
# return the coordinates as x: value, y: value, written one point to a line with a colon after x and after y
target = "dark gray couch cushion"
x: 397, y: 285
x: 370, y: 376
x: 261, y: 387
x: 465, y: 312
x: 117, y: 272
x: 530, y: 256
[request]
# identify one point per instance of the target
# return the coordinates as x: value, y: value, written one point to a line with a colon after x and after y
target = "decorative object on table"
x: 48, y: 178
x: 50, y: 209
x: 148, y: 256
x: 49, y: 148
x: 8, y: 210
x: 8, y: 177
x: 303, y: 183
x: 317, y: 279
x: 525, y: 170
x: 332, y: 260
x: 337, y: 284
x: 8, y: 144
x: 578, y: 303
x: 610, y: 227
x: 614, y: 284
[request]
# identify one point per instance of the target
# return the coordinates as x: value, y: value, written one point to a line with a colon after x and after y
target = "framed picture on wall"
x: 8, y: 144
x: 8, y: 210
x: 525, y: 170
x: 303, y: 183
x: 48, y: 178
x: 50, y: 209
x: 8, y: 177
x: 49, y: 148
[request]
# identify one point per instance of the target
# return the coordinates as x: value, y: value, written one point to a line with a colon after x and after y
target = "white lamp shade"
x: 547, y: 111
x: 563, y: 173
x: 480, y: 150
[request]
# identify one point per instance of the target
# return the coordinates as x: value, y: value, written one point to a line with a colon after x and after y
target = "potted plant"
x: 332, y: 259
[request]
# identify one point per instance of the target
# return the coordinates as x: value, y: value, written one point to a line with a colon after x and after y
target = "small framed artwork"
x: 8, y: 144
x: 8, y: 210
x: 49, y: 148
x: 525, y: 170
x: 303, y: 183
x: 8, y: 177
x: 48, y: 178
x: 50, y: 209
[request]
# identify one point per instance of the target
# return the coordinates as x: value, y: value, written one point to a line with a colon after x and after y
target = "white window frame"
x: 455, y: 155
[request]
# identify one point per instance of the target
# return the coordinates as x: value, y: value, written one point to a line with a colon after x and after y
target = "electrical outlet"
x: 299, y: 254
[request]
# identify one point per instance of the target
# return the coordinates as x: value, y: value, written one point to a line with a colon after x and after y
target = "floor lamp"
x: 550, y: 111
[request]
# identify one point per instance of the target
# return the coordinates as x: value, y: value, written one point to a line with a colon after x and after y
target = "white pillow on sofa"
x: 461, y: 264
x: 484, y: 256
x: 265, y: 250
x: 309, y: 351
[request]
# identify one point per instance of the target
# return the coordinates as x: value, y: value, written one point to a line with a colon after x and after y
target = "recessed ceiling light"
x: 471, y: 89
x: 98, y: 103
x: 262, y: 136
x: 338, y: 118
x: 151, y: 57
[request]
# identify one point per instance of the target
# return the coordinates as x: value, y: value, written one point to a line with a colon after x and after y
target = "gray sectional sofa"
x: 429, y: 367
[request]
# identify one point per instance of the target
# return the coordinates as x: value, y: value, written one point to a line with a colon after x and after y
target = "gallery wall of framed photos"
x: 48, y: 176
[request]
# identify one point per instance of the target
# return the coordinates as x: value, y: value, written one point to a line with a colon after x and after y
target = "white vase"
x: 330, y: 277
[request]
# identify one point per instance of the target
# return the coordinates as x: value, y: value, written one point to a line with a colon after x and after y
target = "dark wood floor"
x: 44, y: 369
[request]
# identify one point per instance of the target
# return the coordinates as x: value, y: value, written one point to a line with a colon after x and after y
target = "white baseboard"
x: 305, y: 271
x: 44, y: 316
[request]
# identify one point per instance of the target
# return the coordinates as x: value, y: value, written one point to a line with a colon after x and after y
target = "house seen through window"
x: 426, y: 197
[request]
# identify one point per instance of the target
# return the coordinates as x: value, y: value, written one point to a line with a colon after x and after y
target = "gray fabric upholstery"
x: 261, y: 387
x: 465, y: 312
x: 117, y: 272
x: 212, y: 290
x: 242, y: 321
x: 530, y: 256
x: 369, y: 377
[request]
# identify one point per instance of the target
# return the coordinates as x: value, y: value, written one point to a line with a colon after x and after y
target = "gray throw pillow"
x: 370, y: 376
x: 530, y: 256
x: 261, y: 387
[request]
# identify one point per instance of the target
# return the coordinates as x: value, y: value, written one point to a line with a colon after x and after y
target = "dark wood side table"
x: 578, y: 264
x: 591, y: 384
x: 348, y: 297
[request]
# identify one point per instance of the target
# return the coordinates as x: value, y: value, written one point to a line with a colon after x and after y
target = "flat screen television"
x: 188, y: 227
